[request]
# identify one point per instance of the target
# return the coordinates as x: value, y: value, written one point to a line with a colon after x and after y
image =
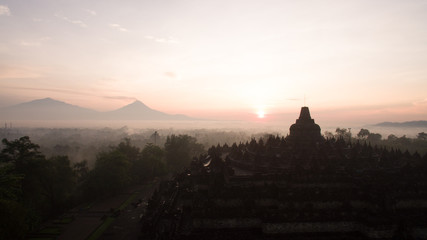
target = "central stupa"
x: 304, y: 131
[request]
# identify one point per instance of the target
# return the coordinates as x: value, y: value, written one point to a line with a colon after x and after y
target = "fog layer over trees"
x: 34, y: 188
x: 85, y: 143
x: 53, y: 170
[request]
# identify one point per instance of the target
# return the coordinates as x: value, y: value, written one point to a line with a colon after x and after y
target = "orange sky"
x: 355, y: 61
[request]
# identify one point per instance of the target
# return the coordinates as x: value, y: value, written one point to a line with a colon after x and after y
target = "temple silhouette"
x: 301, y: 186
x: 304, y: 131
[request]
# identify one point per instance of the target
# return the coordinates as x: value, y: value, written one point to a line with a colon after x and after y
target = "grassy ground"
x: 109, y: 220
x: 101, y: 229
x: 91, y: 220
x: 47, y: 233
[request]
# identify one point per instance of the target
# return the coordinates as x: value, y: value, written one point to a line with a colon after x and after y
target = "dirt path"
x: 126, y: 226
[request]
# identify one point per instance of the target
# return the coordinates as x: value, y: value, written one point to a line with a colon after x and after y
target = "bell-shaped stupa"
x: 304, y: 131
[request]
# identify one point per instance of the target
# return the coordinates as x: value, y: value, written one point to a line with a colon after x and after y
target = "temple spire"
x: 304, y: 114
x: 305, y: 131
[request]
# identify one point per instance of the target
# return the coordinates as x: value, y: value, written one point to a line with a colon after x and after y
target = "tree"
x: 110, y: 175
x: 328, y: 135
x: 363, y: 133
x: 59, y: 182
x: 24, y: 159
x: 154, y: 138
x: 391, y: 138
x: 150, y: 164
x: 374, y: 137
x: 12, y: 212
x: 127, y: 149
x: 120, y: 167
x: 28, y: 181
x: 10, y: 184
x: 81, y: 170
x: 422, y: 136
x: 180, y: 149
x: 404, y: 140
x: 20, y: 152
x: 13, y: 224
x: 342, y: 133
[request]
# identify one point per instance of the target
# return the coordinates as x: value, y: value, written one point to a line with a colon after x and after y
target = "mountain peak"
x: 136, y: 104
x: 45, y: 101
x: 51, y: 109
x: 48, y: 99
x: 47, y: 109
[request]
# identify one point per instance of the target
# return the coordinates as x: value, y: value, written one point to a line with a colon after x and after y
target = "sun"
x: 261, y: 114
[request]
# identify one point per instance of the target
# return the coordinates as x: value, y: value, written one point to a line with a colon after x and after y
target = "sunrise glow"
x: 210, y: 58
x: 260, y: 114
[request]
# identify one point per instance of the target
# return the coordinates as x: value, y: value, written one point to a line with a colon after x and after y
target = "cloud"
x: 421, y: 102
x: 169, y: 40
x: 34, y: 42
x: 19, y: 72
x: 91, y: 12
x: 120, y: 98
x: 173, y: 75
x: 170, y: 74
x: 76, y: 22
x: 49, y: 90
x: 118, y: 27
x: 69, y: 91
x: 41, y: 19
x: 4, y: 10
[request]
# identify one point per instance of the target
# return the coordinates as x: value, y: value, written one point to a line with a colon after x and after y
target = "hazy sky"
x: 354, y: 60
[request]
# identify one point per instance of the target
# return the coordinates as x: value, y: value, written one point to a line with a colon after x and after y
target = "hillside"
x: 417, y: 124
x: 51, y: 109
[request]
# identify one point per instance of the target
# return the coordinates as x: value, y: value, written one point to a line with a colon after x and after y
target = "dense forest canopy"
x: 83, y: 144
x: 35, y: 187
x: 71, y: 166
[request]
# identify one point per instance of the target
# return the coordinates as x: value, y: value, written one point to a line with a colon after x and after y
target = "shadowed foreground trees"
x: 422, y: 136
x: 125, y: 164
x: 151, y: 162
x: 110, y: 175
x: 32, y: 187
x: 180, y: 149
x: 59, y: 184
x: 12, y: 211
x: 121, y: 167
x: 363, y: 133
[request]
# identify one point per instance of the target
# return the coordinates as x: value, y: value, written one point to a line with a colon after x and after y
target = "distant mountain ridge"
x: 51, y: 109
x: 403, y: 124
x: 139, y: 111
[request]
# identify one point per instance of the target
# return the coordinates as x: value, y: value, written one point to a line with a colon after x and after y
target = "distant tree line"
x: 85, y: 143
x: 418, y: 144
x: 34, y: 188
